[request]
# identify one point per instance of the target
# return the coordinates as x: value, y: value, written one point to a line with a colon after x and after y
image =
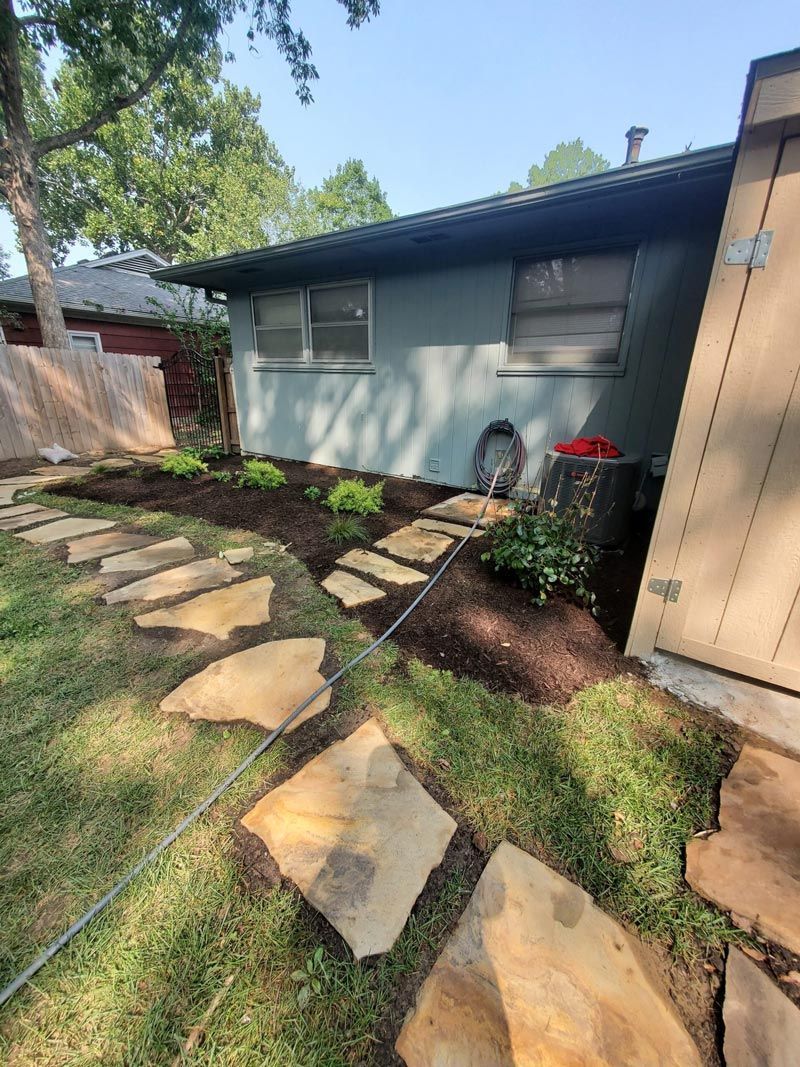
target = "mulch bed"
x: 473, y: 622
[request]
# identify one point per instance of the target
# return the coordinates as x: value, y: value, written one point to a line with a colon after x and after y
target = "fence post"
x: 222, y: 401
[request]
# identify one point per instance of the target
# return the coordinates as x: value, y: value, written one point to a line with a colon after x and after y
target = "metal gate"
x: 193, y: 399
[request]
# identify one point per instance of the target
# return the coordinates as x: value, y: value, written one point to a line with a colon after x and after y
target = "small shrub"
x: 260, y: 474
x: 209, y: 452
x: 350, y: 494
x: 346, y: 528
x: 311, y: 492
x: 222, y: 476
x: 546, y: 553
x: 183, y: 466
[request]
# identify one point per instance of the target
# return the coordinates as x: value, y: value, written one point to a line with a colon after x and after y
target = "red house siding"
x: 137, y: 339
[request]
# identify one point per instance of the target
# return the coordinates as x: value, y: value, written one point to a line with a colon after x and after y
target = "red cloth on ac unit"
x: 597, y: 447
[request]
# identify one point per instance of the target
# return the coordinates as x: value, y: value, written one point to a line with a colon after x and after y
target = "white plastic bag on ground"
x: 56, y: 454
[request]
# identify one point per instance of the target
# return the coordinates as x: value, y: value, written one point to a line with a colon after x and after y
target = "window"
x: 323, y: 327
x: 568, y: 311
x: 86, y: 342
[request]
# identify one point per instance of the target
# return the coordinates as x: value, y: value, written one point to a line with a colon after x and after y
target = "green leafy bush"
x: 546, y: 553
x: 222, y: 476
x: 350, y: 494
x: 260, y: 474
x: 210, y: 452
x: 311, y: 492
x: 183, y: 466
x: 346, y: 528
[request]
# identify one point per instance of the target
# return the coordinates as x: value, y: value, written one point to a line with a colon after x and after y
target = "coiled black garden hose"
x: 514, y: 465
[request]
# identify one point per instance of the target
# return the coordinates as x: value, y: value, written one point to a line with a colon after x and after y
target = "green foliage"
x: 310, y: 979
x: 260, y: 474
x: 312, y: 492
x: 348, y: 197
x: 222, y: 476
x: 546, y: 553
x: 569, y: 159
x: 351, y: 494
x: 208, y: 452
x: 346, y: 528
x: 99, y: 468
x: 183, y: 466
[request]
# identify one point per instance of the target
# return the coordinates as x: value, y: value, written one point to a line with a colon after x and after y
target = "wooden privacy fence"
x: 86, y: 401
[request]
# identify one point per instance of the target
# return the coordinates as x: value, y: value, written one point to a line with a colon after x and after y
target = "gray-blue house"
x: 570, y: 310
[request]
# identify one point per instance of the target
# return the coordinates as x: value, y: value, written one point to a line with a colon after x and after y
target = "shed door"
x: 739, y: 553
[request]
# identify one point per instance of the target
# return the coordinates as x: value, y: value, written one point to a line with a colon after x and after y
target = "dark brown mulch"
x: 473, y: 622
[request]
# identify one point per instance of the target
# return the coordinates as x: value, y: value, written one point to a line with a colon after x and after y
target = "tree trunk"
x: 21, y: 187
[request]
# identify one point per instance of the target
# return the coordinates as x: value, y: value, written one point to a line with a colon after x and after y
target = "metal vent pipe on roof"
x: 635, y: 136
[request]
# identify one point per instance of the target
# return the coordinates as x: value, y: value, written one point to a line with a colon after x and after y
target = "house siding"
x: 127, y: 338
x: 439, y: 339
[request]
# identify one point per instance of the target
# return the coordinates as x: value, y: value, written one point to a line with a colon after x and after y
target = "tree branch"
x: 119, y: 103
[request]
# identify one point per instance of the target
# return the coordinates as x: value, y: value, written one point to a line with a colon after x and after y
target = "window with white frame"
x: 86, y: 342
x: 327, y: 326
x: 569, y: 310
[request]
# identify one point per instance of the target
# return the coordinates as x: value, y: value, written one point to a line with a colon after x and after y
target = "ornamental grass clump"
x: 183, y: 466
x: 351, y: 494
x: 346, y: 528
x: 260, y: 474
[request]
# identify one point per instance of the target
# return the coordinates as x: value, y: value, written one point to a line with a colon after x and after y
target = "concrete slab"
x: 105, y: 544
x: 535, y: 974
x: 238, y: 555
x: 452, y: 529
x: 219, y: 612
x: 147, y: 559
x: 29, y: 516
x: 751, y: 866
x: 465, y: 508
x: 358, y: 559
x: 191, y: 578
x: 358, y: 835
x: 410, y: 542
x: 769, y: 713
x: 350, y: 590
x: 261, y: 685
x: 762, y: 1026
x: 64, y: 528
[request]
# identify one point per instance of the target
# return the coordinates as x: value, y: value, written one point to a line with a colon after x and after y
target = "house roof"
x: 116, y: 286
x: 409, y: 234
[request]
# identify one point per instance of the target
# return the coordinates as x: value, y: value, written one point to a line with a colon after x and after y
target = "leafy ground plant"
x: 312, y: 492
x: 206, y: 452
x: 260, y: 474
x: 351, y: 494
x: 346, y: 528
x: 310, y: 979
x: 222, y: 476
x: 183, y: 466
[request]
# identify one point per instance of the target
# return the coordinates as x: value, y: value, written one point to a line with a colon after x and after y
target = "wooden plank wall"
x: 85, y: 401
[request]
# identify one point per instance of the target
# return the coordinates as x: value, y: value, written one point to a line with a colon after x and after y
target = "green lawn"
x: 92, y: 774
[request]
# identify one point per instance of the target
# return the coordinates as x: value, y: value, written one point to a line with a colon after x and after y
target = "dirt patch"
x: 473, y: 622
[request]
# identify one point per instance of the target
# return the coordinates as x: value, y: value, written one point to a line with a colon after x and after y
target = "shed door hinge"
x: 750, y: 252
x: 669, y: 589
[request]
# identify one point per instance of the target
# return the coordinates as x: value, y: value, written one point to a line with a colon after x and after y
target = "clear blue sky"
x: 448, y: 100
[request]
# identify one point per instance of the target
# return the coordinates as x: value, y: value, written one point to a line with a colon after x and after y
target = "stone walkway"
x: 534, y: 972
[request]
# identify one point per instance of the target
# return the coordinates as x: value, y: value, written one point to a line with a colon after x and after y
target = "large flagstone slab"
x: 149, y: 460
x: 217, y: 613
x: 105, y: 544
x: 63, y: 528
x: 26, y: 515
x: 19, y: 481
x: 261, y: 685
x: 358, y: 835
x: 535, y: 974
x: 751, y: 866
x: 61, y: 470
x: 150, y: 557
x: 358, y: 559
x: 116, y: 463
x: 191, y: 578
x: 762, y: 1026
x: 466, y: 507
x: 451, y: 528
x: 410, y: 542
x: 350, y: 589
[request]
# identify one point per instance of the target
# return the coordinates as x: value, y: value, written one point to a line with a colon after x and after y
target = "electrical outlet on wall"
x: 433, y: 464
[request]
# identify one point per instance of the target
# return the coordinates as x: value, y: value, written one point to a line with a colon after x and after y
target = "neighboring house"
x: 105, y: 304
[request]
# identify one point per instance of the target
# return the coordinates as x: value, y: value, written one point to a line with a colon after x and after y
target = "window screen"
x: 570, y: 309
x: 339, y: 319
x: 278, y: 321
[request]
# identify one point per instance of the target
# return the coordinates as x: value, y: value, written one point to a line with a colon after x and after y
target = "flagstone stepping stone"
x: 191, y: 578
x: 762, y: 1026
x: 351, y: 590
x: 238, y: 555
x: 28, y: 517
x: 358, y: 835
x: 217, y: 613
x: 451, y: 528
x: 116, y: 463
x: 262, y: 685
x: 105, y: 544
x: 63, y: 470
x: 535, y: 974
x: 63, y: 528
x: 751, y: 866
x: 23, y: 509
x: 358, y: 559
x: 27, y: 479
x: 147, y: 559
x: 466, y: 507
x: 412, y: 543
x: 150, y: 461
x: 167, y: 452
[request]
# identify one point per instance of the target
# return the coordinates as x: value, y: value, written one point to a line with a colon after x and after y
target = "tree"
x: 121, y: 51
x: 187, y: 171
x: 346, y: 198
x: 569, y: 159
